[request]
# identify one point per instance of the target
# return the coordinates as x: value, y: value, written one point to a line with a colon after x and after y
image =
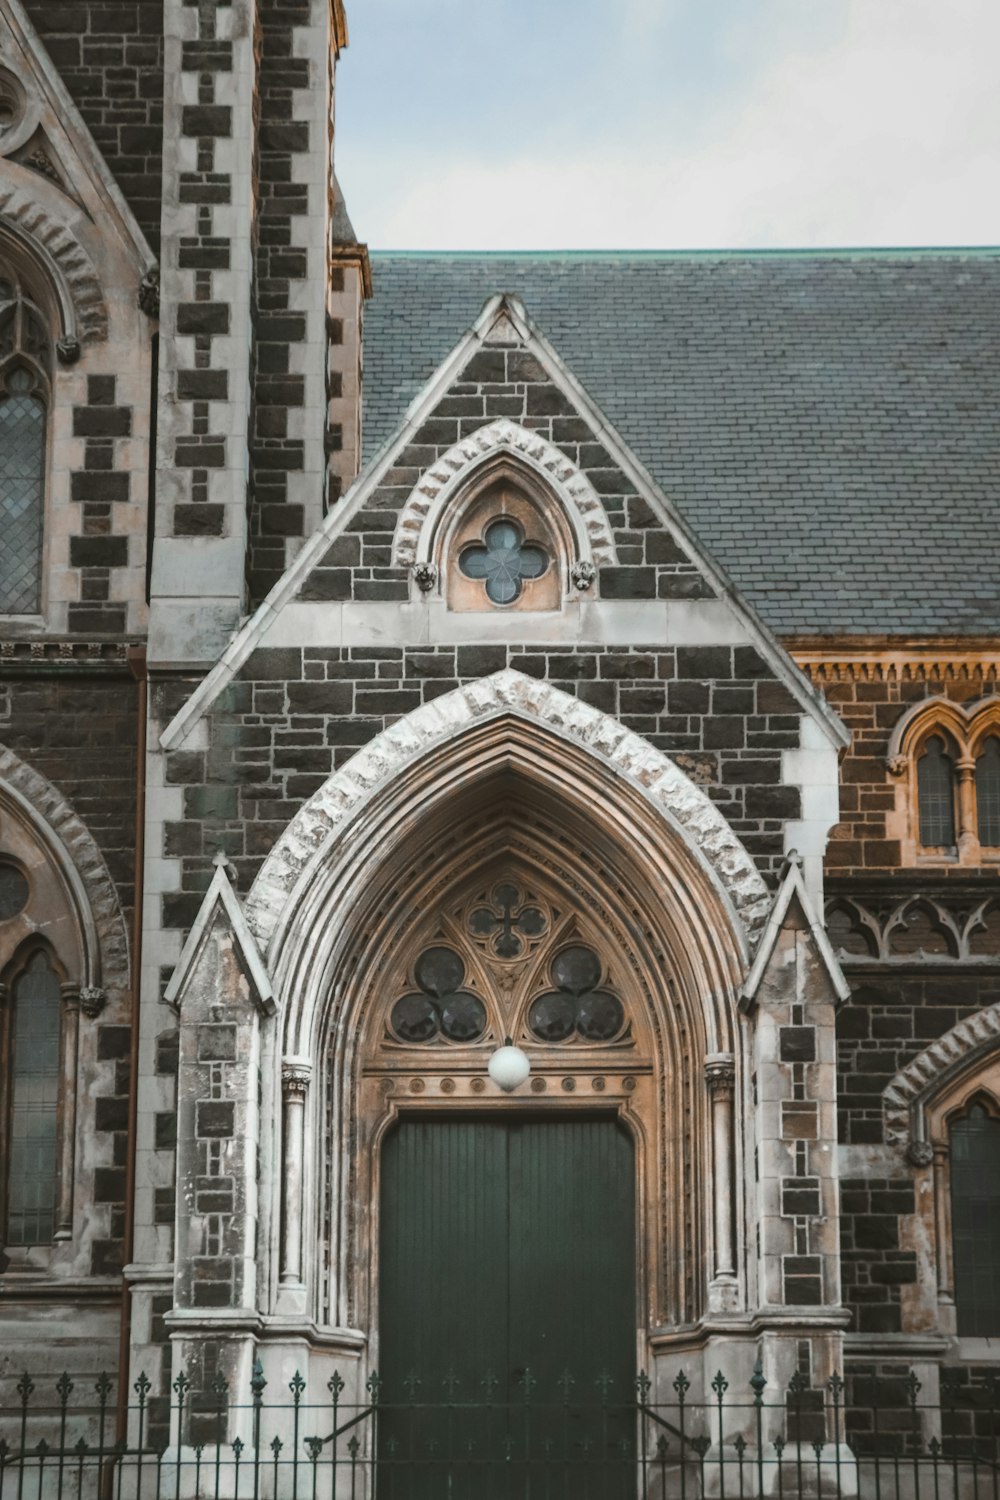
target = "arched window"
x: 25, y: 354
x: 936, y: 794
x: 988, y: 792
x: 32, y: 1125
x: 975, y: 1221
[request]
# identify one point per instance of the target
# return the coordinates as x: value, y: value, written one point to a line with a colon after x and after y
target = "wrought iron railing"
x: 871, y: 1436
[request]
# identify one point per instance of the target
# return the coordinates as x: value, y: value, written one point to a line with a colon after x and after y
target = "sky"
x: 670, y: 124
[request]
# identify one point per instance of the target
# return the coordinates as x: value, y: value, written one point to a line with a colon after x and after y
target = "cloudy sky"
x: 506, y: 124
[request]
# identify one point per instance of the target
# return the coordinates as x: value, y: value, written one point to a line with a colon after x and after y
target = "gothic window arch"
x: 29, y: 1131
x: 25, y: 376
x: 974, y: 1152
x: 945, y: 757
x: 507, y: 545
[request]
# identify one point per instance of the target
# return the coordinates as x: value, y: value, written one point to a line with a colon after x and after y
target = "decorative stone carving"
x: 583, y: 574
x: 876, y: 929
x: 92, y: 1000
x: 720, y: 1075
x: 389, y: 754
x: 425, y: 576
x: 896, y: 765
x: 149, y: 293
x: 68, y: 350
x: 573, y: 488
x: 906, y: 1096
x: 295, y: 1078
x: 920, y: 1153
x: 84, y: 312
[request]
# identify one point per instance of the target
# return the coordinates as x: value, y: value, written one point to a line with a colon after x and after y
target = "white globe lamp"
x: 509, y: 1067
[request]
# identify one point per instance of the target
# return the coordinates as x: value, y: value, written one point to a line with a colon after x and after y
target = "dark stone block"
x: 773, y: 802
x: 199, y: 520
x: 774, y: 698
x: 108, y: 489
x: 547, y: 401
x: 109, y: 1185
x: 876, y: 1232
x: 212, y: 1294
x: 164, y: 1205
x: 627, y: 583
x: 800, y: 1197
x: 704, y: 662
x: 881, y: 1319
x: 688, y: 697
x: 214, y: 1119
x: 661, y: 548
x: 327, y: 583
x: 487, y: 365
x: 748, y: 662
x: 98, y: 551
x: 202, y: 317
x: 627, y: 667
x: 797, y: 1044
x: 273, y: 663
x: 217, y: 1043
x: 752, y: 771
x: 111, y: 1114
x: 480, y: 661
x: 724, y: 734
x: 683, y: 586
x: 522, y: 366
x: 101, y: 390
x: 113, y: 1042
x: 206, y: 119
x: 180, y: 909
x: 320, y: 697
x: 165, y: 1130
x: 203, y: 385
x: 102, y: 421
x: 106, y: 1258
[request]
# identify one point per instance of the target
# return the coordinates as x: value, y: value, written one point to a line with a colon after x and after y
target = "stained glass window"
x: 576, y: 1003
x: 32, y: 1157
x: 503, y: 562
x: 936, y: 794
x: 988, y: 793
x: 975, y: 1220
x: 440, y: 1007
x: 24, y: 360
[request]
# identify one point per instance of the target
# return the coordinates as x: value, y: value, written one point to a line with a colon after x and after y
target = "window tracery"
x: 25, y: 363
x: 946, y: 758
x: 508, y: 963
x: 505, y: 548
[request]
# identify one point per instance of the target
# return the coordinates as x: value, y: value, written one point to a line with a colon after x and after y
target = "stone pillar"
x: 295, y: 1076
x: 720, y: 1075
x: 67, y: 1122
x: 968, y: 828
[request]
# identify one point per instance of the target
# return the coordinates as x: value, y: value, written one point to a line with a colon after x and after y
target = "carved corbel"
x: 92, y: 1001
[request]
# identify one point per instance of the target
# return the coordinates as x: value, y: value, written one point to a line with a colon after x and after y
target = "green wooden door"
x: 507, y: 1290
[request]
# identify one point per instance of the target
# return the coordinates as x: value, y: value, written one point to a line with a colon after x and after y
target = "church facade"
x: 405, y: 656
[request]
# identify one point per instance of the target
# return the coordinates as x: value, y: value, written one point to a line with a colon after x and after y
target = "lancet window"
x: 25, y: 365
x: 975, y: 1219
x: 947, y: 758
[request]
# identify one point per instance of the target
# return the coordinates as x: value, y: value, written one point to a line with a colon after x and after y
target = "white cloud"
x: 888, y: 135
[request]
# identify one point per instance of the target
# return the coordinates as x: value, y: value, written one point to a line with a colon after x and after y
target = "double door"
x: 507, y: 1308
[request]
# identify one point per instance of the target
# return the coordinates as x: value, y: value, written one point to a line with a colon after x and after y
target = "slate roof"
x: 828, y: 423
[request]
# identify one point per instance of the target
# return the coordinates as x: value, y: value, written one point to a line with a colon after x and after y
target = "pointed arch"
x: 420, y: 518
x: 100, y: 956
x: 933, y: 1072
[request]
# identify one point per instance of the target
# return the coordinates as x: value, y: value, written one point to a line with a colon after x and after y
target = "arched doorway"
x: 507, y: 1309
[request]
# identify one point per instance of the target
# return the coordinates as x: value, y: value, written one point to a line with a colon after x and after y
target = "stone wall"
x: 109, y: 54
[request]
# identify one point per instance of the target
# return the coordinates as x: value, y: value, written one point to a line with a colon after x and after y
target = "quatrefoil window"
x: 440, y: 1007
x: 507, y: 922
x: 576, y: 1003
x: 503, y: 561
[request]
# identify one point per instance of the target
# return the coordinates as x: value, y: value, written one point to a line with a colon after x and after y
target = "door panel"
x: 507, y: 1262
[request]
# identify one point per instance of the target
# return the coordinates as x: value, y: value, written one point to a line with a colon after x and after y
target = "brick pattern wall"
x: 871, y: 701
x: 294, y: 143
x: 110, y: 56
x: 106, y: 540
x: 294, y: 716
x: 507, y: 383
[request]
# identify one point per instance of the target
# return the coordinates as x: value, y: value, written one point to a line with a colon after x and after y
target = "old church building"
x: 403, y: 655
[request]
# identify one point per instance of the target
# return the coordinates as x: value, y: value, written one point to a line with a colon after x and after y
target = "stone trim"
x: 907, y: 1096
x: 326, y: 815
x: 105, y: 936
x: 966, y: 722
x: 413, y: 540
x: 82, y: 309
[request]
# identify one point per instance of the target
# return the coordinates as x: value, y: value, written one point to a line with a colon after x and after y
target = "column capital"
x: 295, y: 1076
x: 720, y: 1074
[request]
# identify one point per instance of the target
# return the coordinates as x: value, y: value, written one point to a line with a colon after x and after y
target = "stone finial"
x: 720, y: 1074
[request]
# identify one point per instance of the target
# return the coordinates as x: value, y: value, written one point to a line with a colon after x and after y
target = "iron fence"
x: 869, y: 1436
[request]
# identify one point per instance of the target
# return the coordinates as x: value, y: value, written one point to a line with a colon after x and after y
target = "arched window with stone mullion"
x: 988, y: 793
x: 25, y: 363
x: 936, y: 794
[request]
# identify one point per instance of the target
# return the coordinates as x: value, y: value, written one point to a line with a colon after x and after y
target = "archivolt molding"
x: 328, y: 813
x: 905, y: 1100
x: 76, y: 855
x: 417, y: 524
x: 966, y: 723
x: 51, y: 244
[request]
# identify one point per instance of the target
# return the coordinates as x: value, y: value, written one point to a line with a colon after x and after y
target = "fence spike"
x: 758, y: 1381
x: 257, y: 1380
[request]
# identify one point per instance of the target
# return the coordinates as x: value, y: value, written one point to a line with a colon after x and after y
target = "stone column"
x: 720, y: 1075
x: 295, y: 1075
x: 67, y: 1118
x: 968, y: 829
